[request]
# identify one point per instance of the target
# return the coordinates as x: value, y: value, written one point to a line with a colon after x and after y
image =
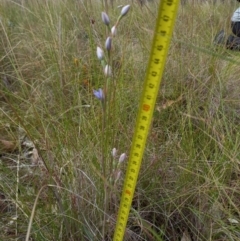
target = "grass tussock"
x: 53, y: 185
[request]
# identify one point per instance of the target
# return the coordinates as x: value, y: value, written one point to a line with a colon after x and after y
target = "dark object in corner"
x: 231, y: 42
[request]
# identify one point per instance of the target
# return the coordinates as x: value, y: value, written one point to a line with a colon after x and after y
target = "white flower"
x: 114, y: 31
x: 100, y: 53
x: 108, y: 70
x: 122, y: 157
x: 125, y: 10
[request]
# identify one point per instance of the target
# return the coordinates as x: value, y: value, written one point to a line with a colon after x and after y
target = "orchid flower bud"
x: 100, y: 53
x: 108, y: 44
x: 125, y: 10
x: 105, y: 18
x: 118, y: 175
x: 114, y: 31
x: 122, y: 158
x: 108, y: 71
x: 114, y: 152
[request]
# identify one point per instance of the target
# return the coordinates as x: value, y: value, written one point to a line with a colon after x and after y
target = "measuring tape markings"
x: 161, y: 41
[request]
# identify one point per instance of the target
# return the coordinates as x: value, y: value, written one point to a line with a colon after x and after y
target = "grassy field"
x: 59, y: 177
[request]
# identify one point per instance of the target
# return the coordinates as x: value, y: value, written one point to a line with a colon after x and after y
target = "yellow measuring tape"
x: 163, y: 32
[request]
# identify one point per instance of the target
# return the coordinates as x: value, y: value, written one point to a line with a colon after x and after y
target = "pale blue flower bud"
x: 114, y: 152
x: 122, y: 158
x: 108, y: 44
x: 114, y: 31
x: 125, y: 10
x: 100, y: 53
x: 117, y: 176
x: 105, y: 18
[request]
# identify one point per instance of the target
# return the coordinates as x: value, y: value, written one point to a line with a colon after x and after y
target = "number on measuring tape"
x: 160, y: 47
